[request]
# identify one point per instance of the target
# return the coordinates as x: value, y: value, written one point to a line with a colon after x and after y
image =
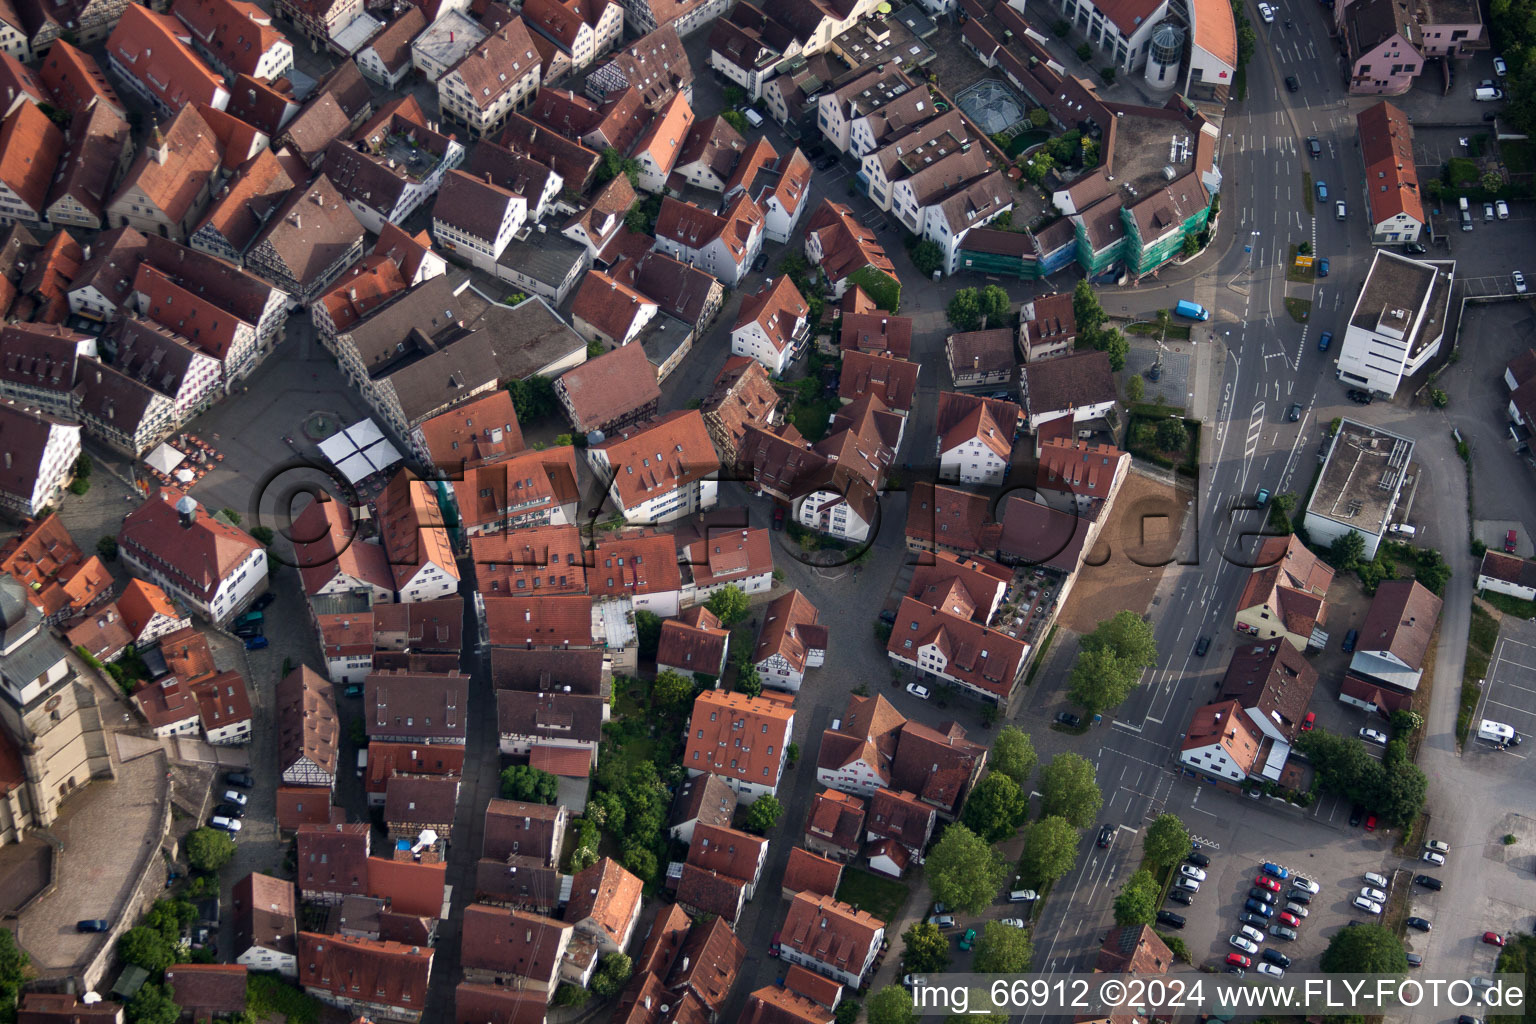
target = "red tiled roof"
x: 1391, y: 180
x: 411, y: 887
x: 307, y: 724
x: 326, y: 543
x: 697, y: 646
x: 832, y: 932
x: 555, y: 621
x: 201, y: 554
x: 30, y: 147
x: 75, y: 79
x: 785, y: 630
x: 609, y: 896
x: 717, y: 737
x: 143, y: 38
x: 837, y: 818
x: 476, y: 433
x: 618, y: 384
x: 777, y: 308
x: 513, y: 942
x: 55, y: 572
x: 634, y: 563
x: 333, y: 858
x: 812, y: 873
x: 222, y: 701
x: 658, y: 456
x: 208, y: 991
x: 386, y: 973
x: 304, y: 805
x: 546, y: 559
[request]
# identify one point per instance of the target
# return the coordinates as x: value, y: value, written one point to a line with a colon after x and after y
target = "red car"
x: 1370, y: 823
x: 773, y: 947
x: 1238, y: 960
x: 1267, y: 882
x: 1493, y: 938
x: 1509, y: 542
x: 1308, y: 722
x: 1289, y: 919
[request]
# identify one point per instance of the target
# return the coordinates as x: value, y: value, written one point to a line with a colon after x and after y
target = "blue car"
x: 255, y: 643
x: 1276, y: 870
x: 1322, y: 267
x: 1322, y: 190
x: 1254, y: 906
x: 1324, y: 340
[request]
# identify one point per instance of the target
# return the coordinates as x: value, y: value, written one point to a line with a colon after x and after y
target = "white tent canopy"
x: 165, y: 458
x: 360, y: 451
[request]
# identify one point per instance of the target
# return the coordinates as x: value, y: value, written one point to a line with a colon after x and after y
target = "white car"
x: 234, y: 796
x: 230, y: 825
x: 1297, y: 909
x: 1270, y: 969
x: 1439, y: 846
x: 1519, y: 280
x: 1369, y: 906
x: 921, y: 692
x: 1012, y: 922
x: 1437, y: 859
x: 1499, y: 67
x: 1250, y: 933
x: 1267, y: 13
x: 1305, y: 885
x: 1369, y: 735
x: 1187, y: 884
x: 1372, y: 878
x: 1190, y: 871
x: 1246, y: 945
x: 1374, y: 895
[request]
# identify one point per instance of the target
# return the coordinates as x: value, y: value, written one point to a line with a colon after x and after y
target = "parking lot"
x: 1509, y: 691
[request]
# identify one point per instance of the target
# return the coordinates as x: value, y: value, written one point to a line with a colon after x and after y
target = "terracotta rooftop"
x: 619, y: 383
x: 737, y: 736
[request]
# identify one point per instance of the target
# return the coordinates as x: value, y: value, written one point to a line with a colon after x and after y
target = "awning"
x: 165, y: 458
x: 360, y: 451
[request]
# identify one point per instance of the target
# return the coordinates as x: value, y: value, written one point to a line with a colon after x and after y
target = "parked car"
x: 1296, y: 909
x: 1360, y: 397
x: 1376, y: 881
x: 1187, y: 884
x: 1370, y: 823
x: 1267, y: 13
x: 1256, y: 920
x: 246, y: 631
x: 1519, y: 280
x: 1243, y: 943
x: 1299, y: 896
x: 1419, y: 923
x: 1293, y: 83
x: 1305, y: 885
x: 230, y: 825
x: 1289, y: 919
x: 1169, y: 918
x: 1190, y: 871
x: 1262, y: 895
x: 228, y: 810
x: 1340, y: 211
x: 1252, y: 934
x: 1510, y: 541
x: 1013, y: 922
x: 1023, y: 896
x: 1262, y: 909
x: 1199, y: 859
x: 942, y: 920
x: 1068, y: 719
x: 1238, y: 960
x: 1438, y: 845
x: 240, y: 779
x: 1373, y: 894
x: 1271, y: 970
x: 352, y: 690
x: 968, y: 939
x: 1277, y: 958
x: 1349, y: 645
x: 1294, y: 412
x: 1280, y: 931
x: 1501, y: 208
x: 1276, y: 870
x: 1310, y: 722
x: 1414, y: 959
x: 1180, y: 896
x: 1431, y: 857
x: 1428, y: 882
x: 235, y: 797
x: 1374, y: 736
x: 1488, y: 213
x: 917, y: 690
x: 256, y: 643
x: 1415, y: 248
x: 94, y: 924
x: 1499, y: 67
x: 778, y: 517
x: 1266, y: 883
x: 1369, y: 906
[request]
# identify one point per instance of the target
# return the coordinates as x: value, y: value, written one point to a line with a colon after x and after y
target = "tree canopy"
x: 672, y: 691
x: 1013, y: 754
x: 647, y: 632
x: 1136, y: 903
x: 209, y: 849
x: 1167, y: 840
x: 996, y: 808
x: 729, y: 604
x: 1050, y: 850
x: 1002, y: 949
x: 528, y: 784
x: 153, y: 1004
x: 1128, y: 635
x: 1068, y: 791
x: 1364, y: 949
x: 1113, y: 658
x: 925, y: 948
x: 764, y: 814
x: 964, y: 310
x: 891, y: 1005
x: 1086, y: 308
x: 13, y: 971
x: 963, y: 871
x: 612, y: 973
x: 1394, y: 786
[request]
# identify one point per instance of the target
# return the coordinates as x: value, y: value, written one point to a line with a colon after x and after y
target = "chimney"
x: 186, y: 511
x: 158, y: 149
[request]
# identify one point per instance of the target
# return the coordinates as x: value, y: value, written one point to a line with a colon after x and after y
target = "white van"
x: 1403, y: 529
x: 753, y: 117
x: 1463, y: 204
x: 1487, y: 94
x: 1495, y: 732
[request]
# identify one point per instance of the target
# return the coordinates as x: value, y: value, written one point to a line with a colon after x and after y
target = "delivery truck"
x: 1193, y: 310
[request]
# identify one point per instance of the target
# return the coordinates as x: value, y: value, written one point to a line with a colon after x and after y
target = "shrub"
x: 1084, y: 51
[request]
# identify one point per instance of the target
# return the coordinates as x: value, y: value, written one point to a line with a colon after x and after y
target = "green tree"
x: 1191, y: 246
x: 925, y: 948
x: 1039, y: 117
x: 106, y: 547
x: 1101, y: 680
x: 1431, y: 571
x: 764, y: 814
x: 533, y: 398
x: 153, y: 1004
x: 145, y: 947
x: 647, y: 632
x: 847, y: 1012
x: 736, y: 119
x: 891, y: 1005
x: 595, y: 348
x: 263, y: 535
x: 1136, y: 903
x: 614, y: 164
x: 1068, y: 791
x: 14, y: 964
x: 1086, y: 309
x: 1347, y: 551
x: 1128, y: 635
x: 79, y: 486
x: 231, y: 515
x: 672, y: 691
x: 1002, y: 949
x: 748, y: 681
x: 529, y: 784
x: 209, y: 849
x: 1013, y: 754
x: 995, y: 808
x: 1167, y: 840
x: 1038, y: 166
x: 641, y: 862
x: 1110, y: 340
x: 996, y: 306
x: 729, y: 604
x: 1135, y: 388
x: 964, y: 310
x: 963, y: 871
x: 927, y: 257
x: 1171, y: 435
x: 1050, y: 850
x: 1492, y: 181
x: 83, y: 465
x: 1365, y: 949
x: 612, y: 972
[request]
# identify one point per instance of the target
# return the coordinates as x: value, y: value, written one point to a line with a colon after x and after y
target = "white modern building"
x: 1398, y: 322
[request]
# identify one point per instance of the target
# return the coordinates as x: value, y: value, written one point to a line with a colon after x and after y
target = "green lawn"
x: 1480, y: 642
x: 1307, y: 191
x: 810, y: 418
x: 882, y: 897
x: 1519, y: 156
x: 1176, y: 332
x: 1510, y: 605
x: 1299, y: 309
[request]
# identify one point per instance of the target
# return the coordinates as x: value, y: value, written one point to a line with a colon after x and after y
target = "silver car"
x: 1297, y: 909
x: 1369, y: 906
x: 1280, y: 931
x: 1375, y: 895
